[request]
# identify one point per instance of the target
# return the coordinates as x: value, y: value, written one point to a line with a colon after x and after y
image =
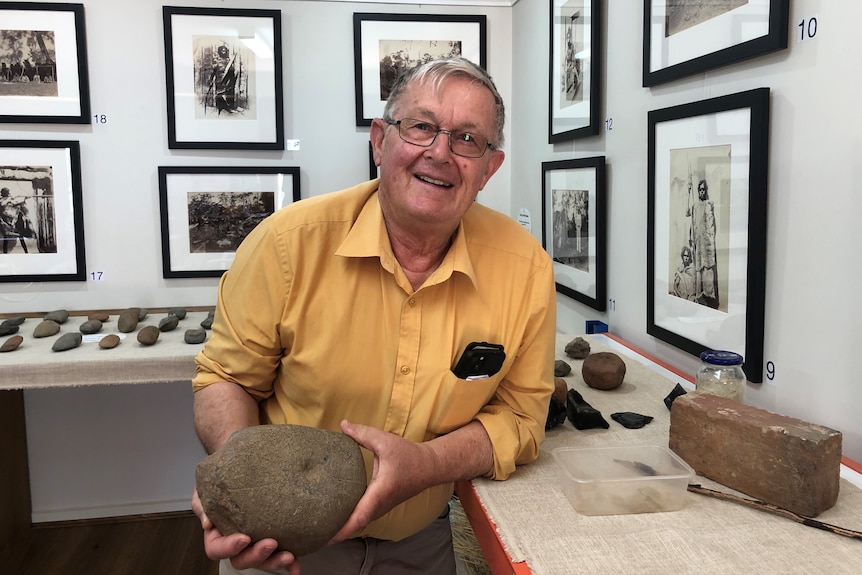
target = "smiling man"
x: 351, y: 310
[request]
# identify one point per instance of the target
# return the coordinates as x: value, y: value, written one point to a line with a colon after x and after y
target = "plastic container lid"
x: 721, y: 357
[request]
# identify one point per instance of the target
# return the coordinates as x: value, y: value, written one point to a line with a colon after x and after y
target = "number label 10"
x: 806, y: 29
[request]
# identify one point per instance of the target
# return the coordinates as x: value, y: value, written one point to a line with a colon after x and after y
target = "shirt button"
x: 405, y: 369
x: 412, y: 302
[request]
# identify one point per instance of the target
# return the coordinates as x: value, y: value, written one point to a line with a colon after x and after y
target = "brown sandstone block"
x: 781, y: 460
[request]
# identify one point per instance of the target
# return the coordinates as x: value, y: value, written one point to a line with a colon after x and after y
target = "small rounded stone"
x: 91, y: 326
x: 46, y: 328
x: 68, y: 341
x: 110, y: 341
x: 11, y: 344
x: 142, y: 313
x: 99, y: 315
x: 207, y: 323
x: 578, y: 348
x: 128, y: 320
x: 180, y: 312
x: 604, y: 370
x: 17, y: 320
x: 195, y: 335
x: 60, y: 316
x: 169, y: 323
x: 561, y: 388
x: 148, y: 335
x: 8, y: 329
x: 561, y: 368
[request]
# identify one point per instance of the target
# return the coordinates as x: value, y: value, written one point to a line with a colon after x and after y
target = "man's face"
x: 701, y: 190
x: 432, y: 185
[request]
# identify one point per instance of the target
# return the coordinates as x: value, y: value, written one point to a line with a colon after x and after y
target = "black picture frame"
x: 41, y: 206
x: 221, y: 66
x: 206, y: 212
x: 575, y: 69
x: 574, y: 220
x: 373, y: 169
x: 676, y: 46
x: 707, y: 196
x: 411, y: 35
x: 56, y: 89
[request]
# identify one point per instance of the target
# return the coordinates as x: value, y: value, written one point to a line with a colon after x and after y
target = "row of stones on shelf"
x: 126, y: 323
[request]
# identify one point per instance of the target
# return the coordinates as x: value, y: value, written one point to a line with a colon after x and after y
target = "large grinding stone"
x: 295, y: 484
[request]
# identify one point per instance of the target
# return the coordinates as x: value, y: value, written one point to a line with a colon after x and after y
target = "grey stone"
x: 91, y: 326
x: 46, y: 328
x: 60, y: 316
x: 110, y: 341
x: 142, y: 313
x: 293, y: 483
x: 169, y: 323
x: 8, y: 329
x: 17, y: 320
x: 578, y: 348
x: 128, y: 320
x: 561, y: 368
x: 180, y: 312
x: 207, y: 323
x: 11, y: 344
x: 195, y: 335
x: 604, y: 370
x: 148, y: 335
x: 68, y: 341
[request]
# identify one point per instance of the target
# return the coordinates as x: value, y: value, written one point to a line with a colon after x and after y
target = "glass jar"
x: 721, y: 374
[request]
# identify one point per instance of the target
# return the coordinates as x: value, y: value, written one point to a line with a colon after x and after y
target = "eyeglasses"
x: 424, y: 134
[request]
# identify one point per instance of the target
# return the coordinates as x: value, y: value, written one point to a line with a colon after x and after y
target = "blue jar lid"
x: 721, y: 357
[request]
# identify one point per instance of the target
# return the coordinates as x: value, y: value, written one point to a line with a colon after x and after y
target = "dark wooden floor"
x: 166, y: 544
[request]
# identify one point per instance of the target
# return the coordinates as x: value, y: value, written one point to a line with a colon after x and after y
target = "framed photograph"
x: 575, y: 73
x: 43, y: 64
x: 384, y: 45
x: 206, y: 212
x: 685, y: 37
x: 574, y: 211
x: 41, y: 217
x: 706, y: 240
x: 224, y: 80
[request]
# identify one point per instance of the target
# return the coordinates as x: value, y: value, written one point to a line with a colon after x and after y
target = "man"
x: 705, y: 258
x: 8, y: 214
x: 347, y: 311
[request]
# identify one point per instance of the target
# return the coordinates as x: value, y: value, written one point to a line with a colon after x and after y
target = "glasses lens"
x: 424, y: 133
x: 417, y: 132
x: 467, y: 144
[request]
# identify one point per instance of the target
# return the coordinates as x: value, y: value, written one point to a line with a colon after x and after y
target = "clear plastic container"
x: 721, y: 374
x: 622, y: 479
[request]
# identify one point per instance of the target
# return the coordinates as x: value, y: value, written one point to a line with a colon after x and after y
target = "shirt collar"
x: 368, y: 238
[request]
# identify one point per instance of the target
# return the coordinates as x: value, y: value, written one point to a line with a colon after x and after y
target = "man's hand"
x: 403, y: 469
x: 236, y: 547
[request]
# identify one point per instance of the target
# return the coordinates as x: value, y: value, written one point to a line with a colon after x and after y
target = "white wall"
x: 814, y: 175
x: 814, y: 197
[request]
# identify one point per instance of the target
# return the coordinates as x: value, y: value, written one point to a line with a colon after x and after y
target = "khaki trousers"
x: 427, y: 552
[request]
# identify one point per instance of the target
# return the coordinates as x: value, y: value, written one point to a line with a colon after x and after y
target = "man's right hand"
x: 238, y: 548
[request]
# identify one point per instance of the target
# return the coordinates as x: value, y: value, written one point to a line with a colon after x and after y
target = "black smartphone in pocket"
x: 480, y: 360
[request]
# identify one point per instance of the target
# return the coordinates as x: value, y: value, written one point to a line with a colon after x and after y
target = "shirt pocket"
x: 459, y: 400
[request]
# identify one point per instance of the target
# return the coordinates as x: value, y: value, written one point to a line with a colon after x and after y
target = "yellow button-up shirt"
x: 316, y: 319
